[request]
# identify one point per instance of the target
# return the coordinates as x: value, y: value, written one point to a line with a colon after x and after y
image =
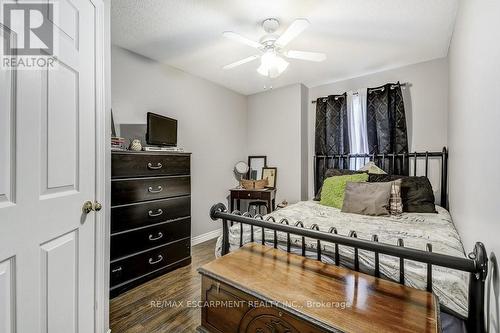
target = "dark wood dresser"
x: 150, y: 216
x: 265, y: 290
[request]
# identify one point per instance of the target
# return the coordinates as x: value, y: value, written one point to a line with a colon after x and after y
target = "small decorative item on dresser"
x: 117, y: 143
x: 253, y: 184
x: 270, y: 173
x: 135, y: 145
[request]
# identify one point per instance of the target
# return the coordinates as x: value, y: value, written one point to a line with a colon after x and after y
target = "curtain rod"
x: 404, y: 84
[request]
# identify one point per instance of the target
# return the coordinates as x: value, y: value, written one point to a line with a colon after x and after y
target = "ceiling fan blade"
x: 293, y: 31
x: 303, y: 55
x: 240, y: 62
x: 240, y: 39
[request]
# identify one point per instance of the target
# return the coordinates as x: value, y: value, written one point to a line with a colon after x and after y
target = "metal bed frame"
x: 405, y: 159
x: 476, y: 264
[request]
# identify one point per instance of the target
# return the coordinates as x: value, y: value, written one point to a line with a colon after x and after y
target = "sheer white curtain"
x: 356, y: 117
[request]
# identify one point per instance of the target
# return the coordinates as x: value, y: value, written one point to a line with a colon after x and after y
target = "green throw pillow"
x: 333, y: 190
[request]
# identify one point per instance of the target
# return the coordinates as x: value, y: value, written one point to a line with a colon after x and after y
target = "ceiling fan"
x: 272, y: 47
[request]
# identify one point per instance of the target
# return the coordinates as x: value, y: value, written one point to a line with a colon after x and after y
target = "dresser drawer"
x: 147, y: 262
x: 143, y: 189
x: 147, y: 213
x: 249, y: 194
x: 126, y: 243
x: 124, y: 165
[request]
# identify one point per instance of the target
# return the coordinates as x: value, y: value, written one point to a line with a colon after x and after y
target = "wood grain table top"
x: 335, y: 297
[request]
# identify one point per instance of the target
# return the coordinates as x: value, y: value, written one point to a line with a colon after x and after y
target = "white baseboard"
x: 206, y: 236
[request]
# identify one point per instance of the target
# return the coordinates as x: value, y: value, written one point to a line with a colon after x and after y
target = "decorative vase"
x: 135, y: 145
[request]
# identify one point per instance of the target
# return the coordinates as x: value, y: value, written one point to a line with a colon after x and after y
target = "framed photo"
x: 270, y: 173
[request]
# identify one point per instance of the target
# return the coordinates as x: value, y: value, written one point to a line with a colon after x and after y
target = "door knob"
x: 97, y: 206
x: 88, y: 206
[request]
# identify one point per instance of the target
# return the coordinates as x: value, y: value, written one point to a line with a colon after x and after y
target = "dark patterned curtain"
x: 386, y: 126
x: 332, y: 135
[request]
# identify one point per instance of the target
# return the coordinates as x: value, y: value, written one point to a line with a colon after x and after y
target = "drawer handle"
x: 116, y: 270
x: 152, y: 262
x: 159, y: 211
x: 249, y: 194
x: 152, y: 167
x: 158, y: 190
x: 151, y: 238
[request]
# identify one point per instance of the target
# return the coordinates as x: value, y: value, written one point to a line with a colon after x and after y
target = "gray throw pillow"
x: 367, y: 198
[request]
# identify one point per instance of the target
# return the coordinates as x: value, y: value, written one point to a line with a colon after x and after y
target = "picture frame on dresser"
x: 150, y: 216
x: 271, y: 173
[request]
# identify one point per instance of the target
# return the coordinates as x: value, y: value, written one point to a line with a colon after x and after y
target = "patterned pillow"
x: 395, y: 201
x: 372, y: 168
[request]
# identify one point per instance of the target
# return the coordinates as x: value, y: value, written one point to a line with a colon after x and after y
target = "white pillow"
x: 371, y: 167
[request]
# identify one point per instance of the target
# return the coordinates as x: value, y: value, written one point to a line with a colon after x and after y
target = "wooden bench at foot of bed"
x: 260, y: 289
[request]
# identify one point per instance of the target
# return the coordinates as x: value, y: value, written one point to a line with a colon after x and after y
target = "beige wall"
x: 212, y: 123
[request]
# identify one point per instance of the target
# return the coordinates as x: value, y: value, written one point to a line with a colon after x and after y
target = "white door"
x: 47, y: 172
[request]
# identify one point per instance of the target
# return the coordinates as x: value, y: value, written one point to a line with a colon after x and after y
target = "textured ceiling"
x: 358, y: 36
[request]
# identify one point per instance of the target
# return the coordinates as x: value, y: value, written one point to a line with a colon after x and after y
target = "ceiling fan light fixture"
x: 272, y: 65
x: 272, y: 46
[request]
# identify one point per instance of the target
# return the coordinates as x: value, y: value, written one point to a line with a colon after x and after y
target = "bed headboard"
x: 414, y: 164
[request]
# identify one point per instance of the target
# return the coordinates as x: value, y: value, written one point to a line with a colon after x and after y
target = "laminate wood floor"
x: 151, y: 307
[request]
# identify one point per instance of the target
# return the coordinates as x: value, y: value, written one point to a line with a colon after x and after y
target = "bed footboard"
x: 476, y: 265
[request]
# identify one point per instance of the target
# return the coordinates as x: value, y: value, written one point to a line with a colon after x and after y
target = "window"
x: 356, y: 116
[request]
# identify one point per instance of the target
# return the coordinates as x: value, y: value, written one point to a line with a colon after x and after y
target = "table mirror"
x: 256, y: 163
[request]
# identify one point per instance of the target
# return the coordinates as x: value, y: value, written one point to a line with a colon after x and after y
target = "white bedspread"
x: 415, y: 229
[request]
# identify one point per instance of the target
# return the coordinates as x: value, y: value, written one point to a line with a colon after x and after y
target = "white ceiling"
x: 358, y: 36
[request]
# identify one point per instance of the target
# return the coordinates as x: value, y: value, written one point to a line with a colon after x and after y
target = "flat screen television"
x: 161, y: 130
